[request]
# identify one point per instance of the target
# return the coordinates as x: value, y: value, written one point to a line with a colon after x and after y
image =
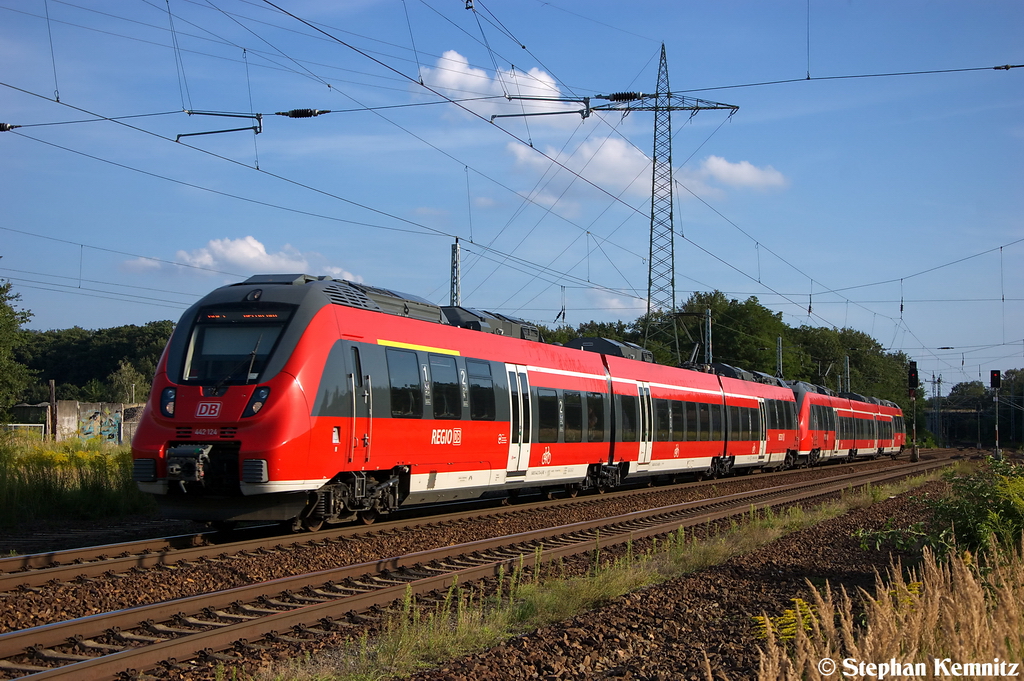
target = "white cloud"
x: 140, y: 265
x: 455, y: 78
x: 248, y: 255
x: 609, y: 162
x: 621, y: 169
x: 742, y: 174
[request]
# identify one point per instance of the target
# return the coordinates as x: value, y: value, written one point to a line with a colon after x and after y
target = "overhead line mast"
x: 661, y: 264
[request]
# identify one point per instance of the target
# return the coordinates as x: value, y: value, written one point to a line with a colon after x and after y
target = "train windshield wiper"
x: 250, y: 359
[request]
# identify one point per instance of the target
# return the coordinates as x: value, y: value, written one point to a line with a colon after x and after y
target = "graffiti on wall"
x: 104, y: 424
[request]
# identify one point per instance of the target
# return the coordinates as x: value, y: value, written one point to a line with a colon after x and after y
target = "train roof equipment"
x: 607, y: 346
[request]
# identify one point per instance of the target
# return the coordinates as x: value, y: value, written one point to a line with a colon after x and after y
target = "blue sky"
x: 852, y: 193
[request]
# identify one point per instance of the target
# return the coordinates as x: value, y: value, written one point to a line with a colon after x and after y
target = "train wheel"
x: 368, y: 517
x: 312, y: 524
x: 572, y: 491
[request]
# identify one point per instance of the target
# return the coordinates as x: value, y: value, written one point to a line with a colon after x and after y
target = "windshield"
x: 232, y: 346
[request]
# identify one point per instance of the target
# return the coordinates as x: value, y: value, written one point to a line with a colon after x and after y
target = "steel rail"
x: 34, y: 570
x: 568, y: 540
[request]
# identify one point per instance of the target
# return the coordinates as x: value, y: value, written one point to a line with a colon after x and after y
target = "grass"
x: 958, y: 611
x: 69, y: 480
x: 533, y: 595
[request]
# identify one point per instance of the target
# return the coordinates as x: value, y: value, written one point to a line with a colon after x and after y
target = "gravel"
x: 663, y: 632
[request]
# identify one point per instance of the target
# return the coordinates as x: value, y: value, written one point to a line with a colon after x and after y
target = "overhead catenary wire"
x: 757, y: 243
x: 179, y: 65
x: 53, y: 56
x: 423, y: 229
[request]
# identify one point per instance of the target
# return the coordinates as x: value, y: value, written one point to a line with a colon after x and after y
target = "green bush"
x: 984, y: 510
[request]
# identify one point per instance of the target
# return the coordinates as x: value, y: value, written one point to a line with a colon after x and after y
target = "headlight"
x: 256, y: 402
x: 167, y: 396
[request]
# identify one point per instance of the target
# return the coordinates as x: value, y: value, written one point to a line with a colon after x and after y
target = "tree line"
x: 746, y: 334
x: 104, y: 365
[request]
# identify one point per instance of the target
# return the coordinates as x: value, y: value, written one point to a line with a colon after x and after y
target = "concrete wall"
x: 103, y: 420
x: 112, y: 422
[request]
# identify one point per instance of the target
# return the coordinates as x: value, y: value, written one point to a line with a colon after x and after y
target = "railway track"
x: 327, y: 602
x: 35, y: 570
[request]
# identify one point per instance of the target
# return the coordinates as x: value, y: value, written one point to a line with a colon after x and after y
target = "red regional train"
x: 306, y: 399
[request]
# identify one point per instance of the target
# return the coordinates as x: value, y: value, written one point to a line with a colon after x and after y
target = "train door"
x: 519, y: 435
x: 646, y: 433
x: 762, y: 435
x: 361, y: 389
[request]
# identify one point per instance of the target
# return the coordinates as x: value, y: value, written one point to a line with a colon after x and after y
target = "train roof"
x: 390, y: 301
x: 607, y: 346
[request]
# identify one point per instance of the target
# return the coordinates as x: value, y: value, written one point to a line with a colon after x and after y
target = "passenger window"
x: 663, y: 413
x: 692, y: 422
x: 595, y: 417
x: 573, y: 402
x: 717, y: 422
x: 444, y: 379
x: 678, y: 424
x: 406, y: 390
x: 481, y: 391
x: 628, y: 404
x: 547, y: 415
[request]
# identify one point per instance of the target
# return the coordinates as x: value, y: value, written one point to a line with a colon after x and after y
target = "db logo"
x: 209, y: 409
x: 450, y: 436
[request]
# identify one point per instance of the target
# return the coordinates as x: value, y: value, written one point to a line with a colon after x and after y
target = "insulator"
x: 7, y: 127
x: 301, y: 113
x: 624, y: 96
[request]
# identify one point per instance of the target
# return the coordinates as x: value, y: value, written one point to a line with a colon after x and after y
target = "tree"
x: 14, y: 376
x: 128, y: 384
x: 743, y: 334
x: 82, y: 362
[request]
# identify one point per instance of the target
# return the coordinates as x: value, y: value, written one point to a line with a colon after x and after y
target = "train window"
x: 357, y: 367
x: 573, y: 403
x: 664, y: 425
x: 547, y: 415
x: 595, y: 417
x: 481, y: 391
x: 524, y: 388
x: 444, y: 380
x: 628, y: 406
x: 513, y: 387
x: 735, y: 429
x: 406, y: 391
x: 678, y: 424
x: 692, y: 422
x: 229, y: 353
x: 717, y: 422
x: 703, y: 419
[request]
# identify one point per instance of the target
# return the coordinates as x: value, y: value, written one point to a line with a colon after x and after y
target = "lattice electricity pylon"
x: 661, y: 291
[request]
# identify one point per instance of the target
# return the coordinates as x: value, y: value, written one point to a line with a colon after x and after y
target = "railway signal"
x: 912, y: 380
